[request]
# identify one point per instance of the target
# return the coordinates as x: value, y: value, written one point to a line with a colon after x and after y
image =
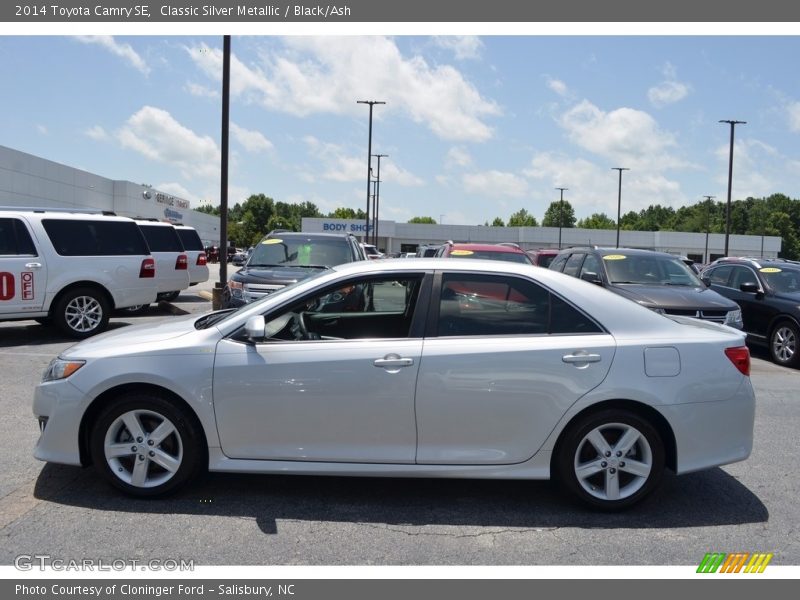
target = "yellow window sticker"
x: 272, y: 241
x: 461, y: 252
x: 614, y: 257
x: 770, y: 270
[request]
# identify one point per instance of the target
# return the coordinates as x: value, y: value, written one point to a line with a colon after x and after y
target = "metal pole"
x: 560, y: 215
x: 378, y: 196
x: 619, y: 198
x: 730, y: 183
x: 223, y: 192
x: 708, y: 225
x: 369, y: 162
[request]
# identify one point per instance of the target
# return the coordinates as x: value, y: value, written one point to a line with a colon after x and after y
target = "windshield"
x: 782, y: 281
x: 490, y: 255
x: 649, y: 270
x: 299, y: 252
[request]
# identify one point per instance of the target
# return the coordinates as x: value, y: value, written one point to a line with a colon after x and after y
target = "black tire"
x: 46, y: 321
x: 169, y: 296
x: 130, y: 311
x: 81, y: 312
x: 184, y: 449
x: 783, y: 344
x: 574, y: 451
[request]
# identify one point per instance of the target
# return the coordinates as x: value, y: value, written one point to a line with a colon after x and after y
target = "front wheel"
x: 146, y: 445
x: 783, y: 344
x: 611, y: 459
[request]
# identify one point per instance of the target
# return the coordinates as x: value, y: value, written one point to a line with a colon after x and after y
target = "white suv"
x: 71, y: 268
x: 195, y: 252
x: 172, y: 263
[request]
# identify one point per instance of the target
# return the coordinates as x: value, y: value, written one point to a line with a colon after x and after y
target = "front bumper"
x: 60, y: 403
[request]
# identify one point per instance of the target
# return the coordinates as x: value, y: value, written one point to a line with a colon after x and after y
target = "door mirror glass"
x: 591, y: 277
x: 749, y: 287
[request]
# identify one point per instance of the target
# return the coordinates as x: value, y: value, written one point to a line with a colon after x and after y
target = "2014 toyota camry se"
x: 408, y: 368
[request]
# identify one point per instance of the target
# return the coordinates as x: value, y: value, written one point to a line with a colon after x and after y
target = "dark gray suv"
x: 656, y: 280
x: 284, y: 257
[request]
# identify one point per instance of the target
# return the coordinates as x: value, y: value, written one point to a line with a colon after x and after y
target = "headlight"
x: 61, y: 369
x: 236, y: 288
x: 734, y: 317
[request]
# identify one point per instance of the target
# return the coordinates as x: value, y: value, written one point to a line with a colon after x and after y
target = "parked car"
x: 560, y: 379
x: 542, y: 257
x: 427, y: 250
x: 285, y: 257
x: 371, y: 251
x: 71, y: 268
x: 172, y: 262
x: 505, y: 252
x: 195, y: 254
x: 656, y: 280
x: 769, y: 293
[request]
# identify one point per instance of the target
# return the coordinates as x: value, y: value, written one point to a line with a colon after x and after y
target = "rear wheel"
x: 783, y: 344
x: 146, y: 445
x: 81, y: 312
x: 610, y: 459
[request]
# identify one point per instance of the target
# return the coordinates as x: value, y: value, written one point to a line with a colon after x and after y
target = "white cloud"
x: 668, y: 91
x: 495, y: 183
x: 124, y: 51
x: 757, y: 168
x: 155, y: 134
x: 794, y: 116
x: 628, y: 137
x: 41, y: 129
x: 313, y: 75
x: 252, y: 141
x: 97, y: 133
x: 195, y: 89
x: 176, y: 189
x: 457, y: 157
x: 462, y: 46
x: 558, y: 86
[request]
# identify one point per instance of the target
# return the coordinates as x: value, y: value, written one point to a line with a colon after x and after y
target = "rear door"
x: 503, y: 361
x: 23, y: 271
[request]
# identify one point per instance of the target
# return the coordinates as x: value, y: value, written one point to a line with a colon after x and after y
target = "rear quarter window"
x: 95, y: 237
x: 190, y: 239
x: 162, y: 239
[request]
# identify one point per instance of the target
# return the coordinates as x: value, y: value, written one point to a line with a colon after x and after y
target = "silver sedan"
x: 408, y: 368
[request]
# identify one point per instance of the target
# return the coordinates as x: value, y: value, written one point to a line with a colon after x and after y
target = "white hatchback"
x: 408, y: 368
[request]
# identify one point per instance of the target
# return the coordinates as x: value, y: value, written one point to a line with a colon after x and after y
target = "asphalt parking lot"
x: 69, y: 513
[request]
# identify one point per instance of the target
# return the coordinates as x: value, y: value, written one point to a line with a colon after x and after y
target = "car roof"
x: 307, y: 235
x: 486, y: 248
x: 625, y: 251
x: 756, y: 262
x: 71, y: 216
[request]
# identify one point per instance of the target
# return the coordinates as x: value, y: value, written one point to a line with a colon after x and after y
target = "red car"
x: 542, y: 257
x: 507, y: 252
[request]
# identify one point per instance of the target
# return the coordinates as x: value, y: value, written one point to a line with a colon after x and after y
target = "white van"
x: 172, y: 263
x: 195, y: 252
x: 71, y: 268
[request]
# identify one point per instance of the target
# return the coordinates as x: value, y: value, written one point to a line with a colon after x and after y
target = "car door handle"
x: 393, y: 361
x: 581, y: 357
x: 33, y: 265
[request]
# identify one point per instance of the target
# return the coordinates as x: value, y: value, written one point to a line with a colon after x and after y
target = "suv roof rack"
x: 510, y: 245
x: 45, y: 209
x: 148, y: 219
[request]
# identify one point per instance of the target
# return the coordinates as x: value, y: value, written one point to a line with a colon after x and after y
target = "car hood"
x: 677, y: 297
x: 284, y: 275
x: 124, y: 338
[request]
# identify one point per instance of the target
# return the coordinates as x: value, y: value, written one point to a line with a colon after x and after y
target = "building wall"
x: 30, y: 181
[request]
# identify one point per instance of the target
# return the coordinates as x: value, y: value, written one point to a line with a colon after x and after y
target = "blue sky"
x: 475, y: 127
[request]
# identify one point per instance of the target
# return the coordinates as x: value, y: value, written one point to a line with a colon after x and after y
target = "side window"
x: 743, y: 275
x: 719, y: 275
x: 361, y: 308
x: 566, y: 319
x: 559, y: 262
x: 95, y: 237
x: 591, y: 265
x: 573, y: 264
x: 15, y: 239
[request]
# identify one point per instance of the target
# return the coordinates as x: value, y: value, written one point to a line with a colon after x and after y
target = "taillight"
x: 201, y: 259
x: 182, y: 263
x: 148, y: 268
x: 740, y: 357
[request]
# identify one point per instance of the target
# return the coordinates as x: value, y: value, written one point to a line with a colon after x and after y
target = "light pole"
x: 560, y: 215
x: 377, y: 196
x: 369, y: 161
x: 619, y: 198
x: 733, y: 124
x: 708, y: 224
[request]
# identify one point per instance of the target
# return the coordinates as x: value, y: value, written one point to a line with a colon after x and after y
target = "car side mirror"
x: 254, y: 328
x: 706, y: 281
x: 749, y: 287
x: 591, y: 278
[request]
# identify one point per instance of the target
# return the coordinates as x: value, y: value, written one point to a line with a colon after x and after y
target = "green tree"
x: 423, y: 220
x: 522, y: 218
x: 347, y: 213
x: 597, y: 221
x: 498, y: 222
x: 554, y: 216
x: 208, y: 209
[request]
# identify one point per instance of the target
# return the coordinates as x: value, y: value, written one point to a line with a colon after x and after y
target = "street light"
x: 560, y: 215
x: 377, y: 196
x: 369, y: 160
x: 733, y: 124
x: 708, y: 224
x: 619, y: 198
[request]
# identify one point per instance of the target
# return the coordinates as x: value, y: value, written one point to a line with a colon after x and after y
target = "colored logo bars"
x: 744, y: 562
